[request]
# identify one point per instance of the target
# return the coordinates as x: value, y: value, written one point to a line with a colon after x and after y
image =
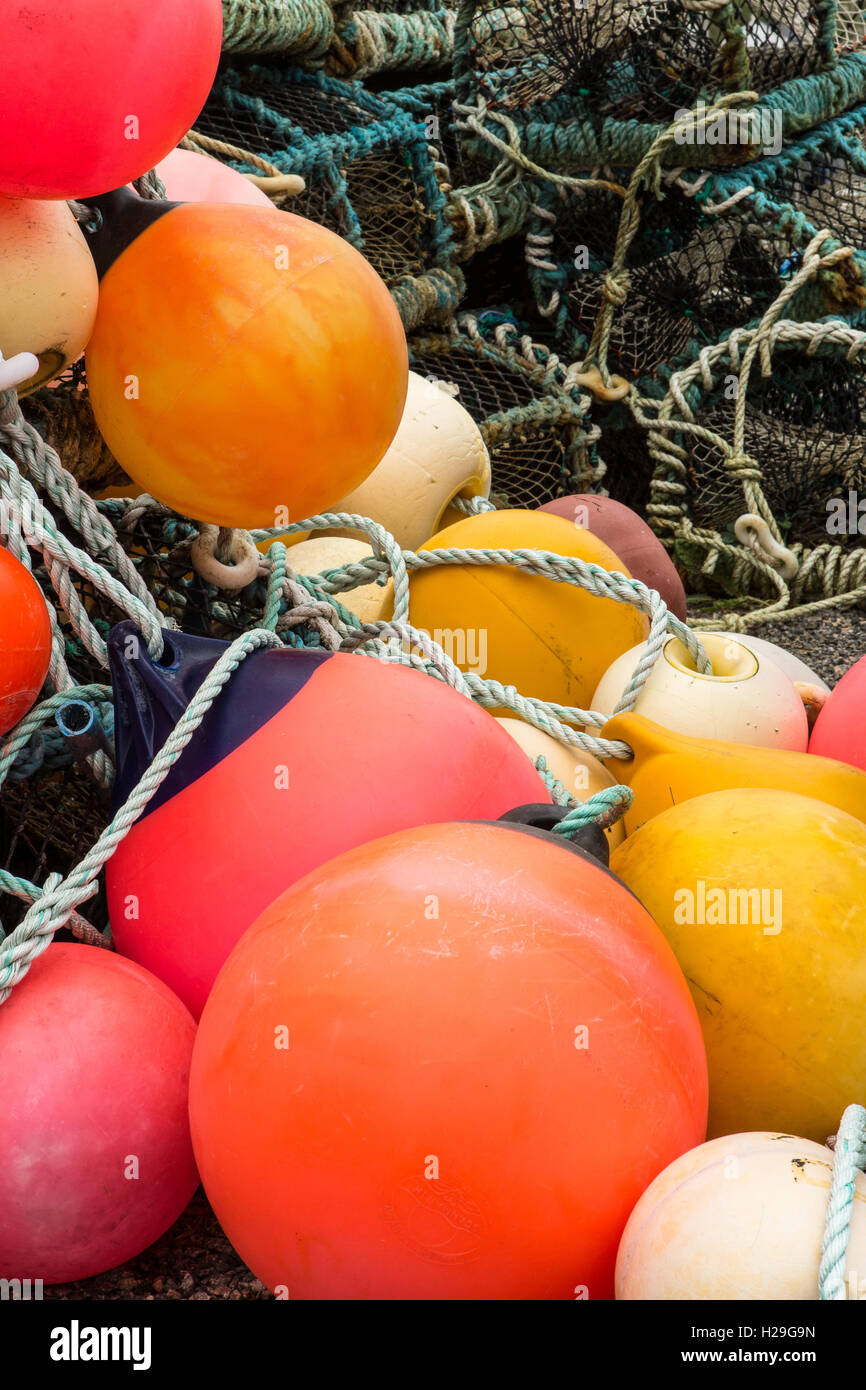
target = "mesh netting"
x: 365, y: 162
x: 690, y: 276
x: 711, y: 255
x: 48, y: 822
x: 537, y: 434
x: 806, y: 427
x: 635, y: 60
x: 595, y: 83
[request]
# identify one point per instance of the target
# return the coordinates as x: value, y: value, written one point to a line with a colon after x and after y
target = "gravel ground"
x: 194, y: 1260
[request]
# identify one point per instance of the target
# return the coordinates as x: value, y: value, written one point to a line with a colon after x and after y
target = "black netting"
x: 691, y: 276
x: 48, y: 822
x: 531, y: 460
x: 826, y: 186
x: 805, y: 428
x: 374, y: 197
x: 643, y: 59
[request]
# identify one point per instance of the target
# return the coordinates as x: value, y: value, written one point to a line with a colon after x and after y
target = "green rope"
x: 277, y: 26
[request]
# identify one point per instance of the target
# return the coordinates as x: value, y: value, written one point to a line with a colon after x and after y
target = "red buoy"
x: 840, y: 729
x: 94, y: 93
x: 303, y: 755
x: 94, y: 1138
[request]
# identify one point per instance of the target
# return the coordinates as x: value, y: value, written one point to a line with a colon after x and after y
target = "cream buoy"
x: 739, y: 1218
x: 369, y: 602
x: 747, y: 699
x: 813, y: 691
x: 48, y: 286
x: 437, y: 454
x: 580, y: 773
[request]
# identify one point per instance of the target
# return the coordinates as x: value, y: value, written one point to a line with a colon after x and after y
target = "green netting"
x: 596, y: 83
x: 710, y: 255
x: 369, y: 176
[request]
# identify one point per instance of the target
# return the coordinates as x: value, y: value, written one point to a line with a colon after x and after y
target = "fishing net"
x: 540, y: 441
x: 595, y: 83
x: 709, y: 256
x: 759, y: 448
x: 368, y: 172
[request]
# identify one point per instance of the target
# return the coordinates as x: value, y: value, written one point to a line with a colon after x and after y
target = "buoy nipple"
x: 18, y: 369
x: 731, y: 661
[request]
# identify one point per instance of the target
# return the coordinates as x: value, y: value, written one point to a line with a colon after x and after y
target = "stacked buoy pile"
x: 381, y: 846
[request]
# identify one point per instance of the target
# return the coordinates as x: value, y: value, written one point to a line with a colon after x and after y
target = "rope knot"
x: 615, y: 287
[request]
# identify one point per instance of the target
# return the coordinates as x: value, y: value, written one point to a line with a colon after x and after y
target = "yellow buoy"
x: 761, y: 896
x: 550, y: 640
x: 580, y: 773
x: 739, y: 1218
x: 668, y: 768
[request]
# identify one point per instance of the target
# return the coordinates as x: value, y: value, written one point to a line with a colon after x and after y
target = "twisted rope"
x: 839, y: 575
x: 849, y: 1160
x: 277, y: 26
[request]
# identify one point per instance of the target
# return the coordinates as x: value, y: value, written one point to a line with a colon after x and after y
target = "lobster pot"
x: 595, y: 83
x: 540, y: 441
x: 392, y: 36
x: 804, y: 445
x: 298, y: 27
x: 709, y: 256
x: 368, y: 172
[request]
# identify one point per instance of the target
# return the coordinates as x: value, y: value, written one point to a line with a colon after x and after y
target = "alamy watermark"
x: 755, y: 127
x: 706, y: 906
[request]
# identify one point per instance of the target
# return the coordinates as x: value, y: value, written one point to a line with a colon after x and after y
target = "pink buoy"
x: 196, y: 178
x: 95, y: 1150
x: 840, y: 729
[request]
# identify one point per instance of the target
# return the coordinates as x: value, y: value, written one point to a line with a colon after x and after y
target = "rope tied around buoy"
x: 849, y: 1160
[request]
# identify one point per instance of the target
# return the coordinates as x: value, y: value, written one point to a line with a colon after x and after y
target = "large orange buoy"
x: 247, y: 367
x: 304, y: 755
x: 444, y: 1066
x: 94, y: 1136
x: 25, y: 640
x: 94, y: 92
